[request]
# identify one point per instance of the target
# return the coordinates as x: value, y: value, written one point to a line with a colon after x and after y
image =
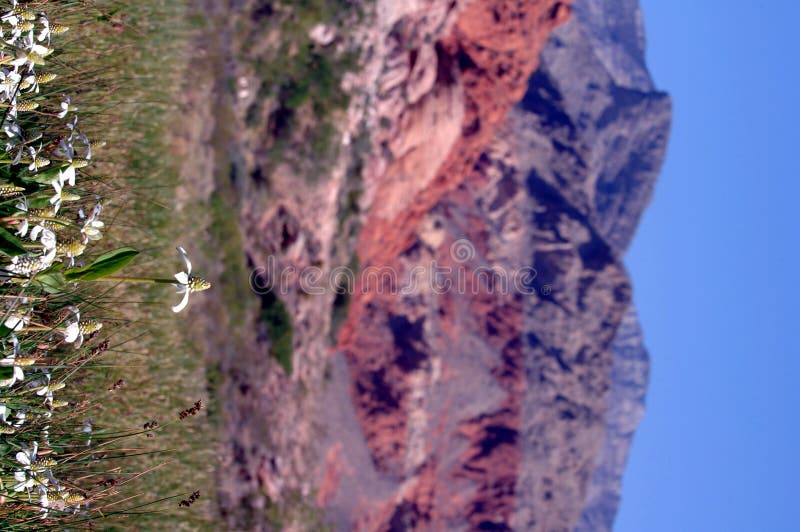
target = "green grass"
x: 341, y: 303
x: 295, y: 508
x: 124, y: 64
x: 299, y: 93
x: 279, y: 328
x: 142, y: 54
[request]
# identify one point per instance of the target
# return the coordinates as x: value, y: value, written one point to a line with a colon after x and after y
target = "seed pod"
x: 24, y: 13
x: 54, y: 387
x: 57, y: 224
x: 45, y: 77
x: 27, y: 105
x: 70, y: 248
x: 36, y: 58
x: 43, y: 463
x: 198, y: 284
x: 46, y: 212
x: 40, y: 162
x: 72, y: 498
x: 87, y: 327
x: 69, y: 196
x: 27, y: 265
x: 9, y: 191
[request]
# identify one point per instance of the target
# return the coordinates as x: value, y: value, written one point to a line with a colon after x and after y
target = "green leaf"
x: 104, y: 265
x: 56, y: 267
x: 39, y: 201
x: 10, y: 244
x: 52, y: 282
x: 44, y: 177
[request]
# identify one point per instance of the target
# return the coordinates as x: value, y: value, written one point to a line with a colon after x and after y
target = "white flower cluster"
x: 44, y: 149
x: 41, y: 152
x: 33, y: 473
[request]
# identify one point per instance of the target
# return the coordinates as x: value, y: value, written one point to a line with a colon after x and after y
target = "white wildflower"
x: 24, y: 476
x: 65, y: 107
x: 48, y: 238
x: 92, y: 227
x: 22, y: 228
x: 65, y: 149
x: 61, y: 195
x: 17, y: 374
x: 72, y: 332
x: 187, y: 283
x: 16, y: 322
x: 45, y: 32
x: 9, y: 80
x: 20, y: 417
x: 67, y: 175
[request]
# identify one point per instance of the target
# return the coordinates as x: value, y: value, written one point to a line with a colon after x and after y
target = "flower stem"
x: 115, y: 278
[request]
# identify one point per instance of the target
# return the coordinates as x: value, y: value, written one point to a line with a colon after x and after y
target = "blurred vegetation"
x: 295, y: 508
x: 124, y: 64
x: 279, y: 328
x: 130, y: 62
x: 299, y: 88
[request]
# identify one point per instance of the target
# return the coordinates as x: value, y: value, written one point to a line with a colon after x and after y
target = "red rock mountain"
x: 489, y: 372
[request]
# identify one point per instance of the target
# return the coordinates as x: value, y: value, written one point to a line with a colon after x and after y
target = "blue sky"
x: 715, y: 272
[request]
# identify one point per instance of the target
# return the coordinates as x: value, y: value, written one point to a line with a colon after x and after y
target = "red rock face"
x: 467, y: 468
x: 482, y: 405
x: 490, y: 53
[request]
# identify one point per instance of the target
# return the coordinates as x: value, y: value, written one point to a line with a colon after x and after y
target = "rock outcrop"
x: 487, y: 406
x: 490, y: 370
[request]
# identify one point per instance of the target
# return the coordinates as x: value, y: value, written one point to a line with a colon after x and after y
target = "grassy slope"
x: 139, y: 56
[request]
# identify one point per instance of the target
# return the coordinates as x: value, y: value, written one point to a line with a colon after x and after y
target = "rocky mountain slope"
x: 489, y: 371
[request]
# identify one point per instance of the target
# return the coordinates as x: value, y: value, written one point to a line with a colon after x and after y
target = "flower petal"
x: 182, y: 305
x: 15, y: 323
x: 23, y: 228
x: 35, y: 232
x: 182, y: 278
x: 185, y: 258
x: 67, y: 176
x: 71, y: 332
x: 48, y: 239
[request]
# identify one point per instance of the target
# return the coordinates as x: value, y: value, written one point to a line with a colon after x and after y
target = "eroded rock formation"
x: 485, y: 408
x: 513, y: 144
